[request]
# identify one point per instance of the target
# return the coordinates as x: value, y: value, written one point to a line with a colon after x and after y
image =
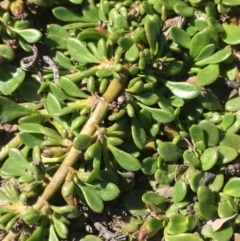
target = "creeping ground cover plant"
x: 119, y: 120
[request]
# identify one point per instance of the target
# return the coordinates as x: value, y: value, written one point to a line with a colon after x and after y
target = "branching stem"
x: 72, y: 156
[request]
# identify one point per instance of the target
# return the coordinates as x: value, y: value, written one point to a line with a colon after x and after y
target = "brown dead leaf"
x: 217, y: 223
x: 237, y: 237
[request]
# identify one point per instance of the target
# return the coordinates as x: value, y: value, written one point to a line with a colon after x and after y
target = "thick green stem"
x: 72, y: 156
x: 95, y: 119
x: 111, y: 92
x: 15, y: 142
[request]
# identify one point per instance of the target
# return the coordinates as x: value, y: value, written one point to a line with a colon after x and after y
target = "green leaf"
x: 31, y: 139
x: 124, y: 159
x: 90, y: 12
x: 213, y: 22
x: 132, y: 53
x: 90, y: 237
x: 7, y: 53
x: 138, y: 133
x: 179, y: 191
x: 230, y: 2
x: 147, y: 98
x: 151, y: 27
x: 211, y: 132
x: 179, y: 36
x: 76, y: 1
x: 28, y: 91
x: 149, y: 165
x: 134, y: 204
x: 120, y: 22
x: 183, y: 90
x: 197, y: 135
x: 82, y: 142
x: 233, y: 104
x: 198, y: 42
x: 205, y: 211
x: 232, y: 188
x: 30, y: 35
x: 191, y: 158
x: 231, y: 33
x: 165, y: 174
x: 71, y: 88
x: 153, y: 198
x: 227, y: 121
x: 177, y: 224
x: 92, y: 199
x: 209, y: 158
x: 125, y: 42
x: 80, y: 53
x: 67, y: 15
x: 57, y: 36
x: 10, y: 78
x: 216, y: 58
x: 231, y: 140
x: 223, y: 234
x: 106, y: 191
x: 208, y: 75
x: 10, y: 110
x: 53, y: 105
x: 183, y: 9
x: 63, y: 61
x: 39, y: 129
x: 206, y: 52
x: 171, y: 69
x: 210, y: 101
x: 158, y: 114
x: 184, y: 237
x: 205, y: 195
x: 168, y: 151
x: 16, y: 165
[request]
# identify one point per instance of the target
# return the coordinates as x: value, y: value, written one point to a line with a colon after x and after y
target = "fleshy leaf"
x: 80, y: 53
x: 209, y: 158
x: 92, y: 199
x: 231, y: 34
x: 206, y: 52
x: 232, y: 188
x: 180, y: 37
x: 124, y: 159
x: 133, y: 202
x: 198, y: 42
x: 183, y: 90
x: 179, y: 191
x: 169, y: 152
x: 138, y: 133
x: 208, y: 75
x: 10, y: 110
x: 183, y: 9
x: 67, y: 15
x: 57, y: 36
x: 71, y: 88
x: 16, y: 165
x: 107, y: 191
x: 63, y: 61
x: 158, y: 114
x: 10, y: 78
x: 216, y: 58
x: 30, y: 35
x: 7, y: 53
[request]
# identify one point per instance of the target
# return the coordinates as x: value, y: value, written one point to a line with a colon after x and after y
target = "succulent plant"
x: 107, y: 93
